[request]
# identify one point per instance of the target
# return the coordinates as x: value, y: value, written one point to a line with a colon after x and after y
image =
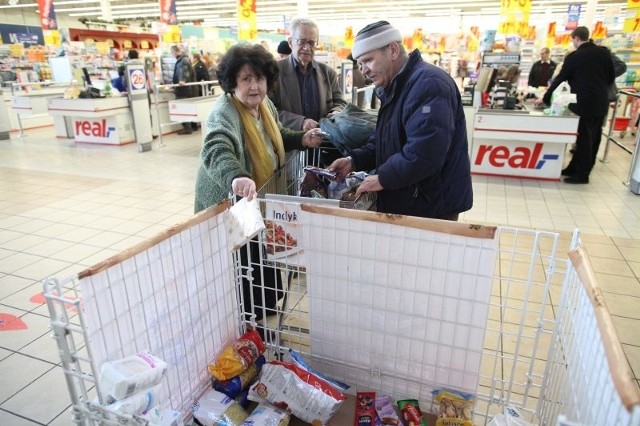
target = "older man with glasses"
x: 307, y: 90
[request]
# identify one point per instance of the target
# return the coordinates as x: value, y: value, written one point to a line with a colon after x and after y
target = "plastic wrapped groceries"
x: 217, y: 409
x: 238, y: 357
x: 124, y: 377
x: 234, y: 386
x: 139, y: 402
x: 267, y: 415
x: 291, y: 388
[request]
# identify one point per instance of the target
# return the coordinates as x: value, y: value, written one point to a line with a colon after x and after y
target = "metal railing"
x: 614, y: 116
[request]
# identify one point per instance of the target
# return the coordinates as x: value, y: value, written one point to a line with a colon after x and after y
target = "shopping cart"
x: 394, y: 304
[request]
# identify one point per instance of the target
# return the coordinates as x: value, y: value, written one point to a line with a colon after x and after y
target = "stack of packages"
x: 132, y: 386
x: 281, y: 389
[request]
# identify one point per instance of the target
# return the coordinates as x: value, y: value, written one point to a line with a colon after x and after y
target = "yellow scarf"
x: 256, y: 147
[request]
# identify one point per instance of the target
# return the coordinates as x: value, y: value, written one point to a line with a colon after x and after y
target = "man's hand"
x: 181, y: 83
x: 370, y: 184
x: 342, y: 167
x: 244, y: 187
x: 312, y: 139
x: 332, y: 113
x: 309, y: 124
x: 538, y: 102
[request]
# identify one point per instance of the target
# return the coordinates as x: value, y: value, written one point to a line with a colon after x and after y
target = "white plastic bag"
x: 243, y: 221
x: 561, y: 98
x: 139, y: 402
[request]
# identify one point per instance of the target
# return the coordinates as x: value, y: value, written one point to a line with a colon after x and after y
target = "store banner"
x: 632, y: 19
x: 418, y: 39
x: 348, y: 37
x: 573, y: 16
x: 515, y: 16
x: 52, y: 38
x: 599, y: 31
x: 172, y: 35
x: 247, y: 24
x: 168, y: 13
x: 47, y: 15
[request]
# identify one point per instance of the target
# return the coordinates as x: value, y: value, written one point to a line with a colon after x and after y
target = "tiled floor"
x: 64, y: 207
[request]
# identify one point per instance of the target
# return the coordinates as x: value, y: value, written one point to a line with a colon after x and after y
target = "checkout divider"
x: 29, y: 101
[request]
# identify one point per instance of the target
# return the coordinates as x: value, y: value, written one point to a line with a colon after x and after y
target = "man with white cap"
x: 419, y: 148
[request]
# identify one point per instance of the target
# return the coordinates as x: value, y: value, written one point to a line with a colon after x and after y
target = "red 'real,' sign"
x: 517, y: 158
x: 95, y: 129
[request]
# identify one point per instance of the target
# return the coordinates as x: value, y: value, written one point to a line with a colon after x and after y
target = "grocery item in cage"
x: 386, y: 411
x: 510, y: 417
x: 235, y: 385
x: 411, y: 412
x: 158, y: 416
x: 124, y: 377
x: 313, y: 185
x: 321, y: 172
x: 216, y: 409
x: 238, y: 357
x: 297, y: 391
x: 297, y: 359
x: 454, y: 405
x: 267, y: 415
x: 139, y: 402
x: 365, y: 409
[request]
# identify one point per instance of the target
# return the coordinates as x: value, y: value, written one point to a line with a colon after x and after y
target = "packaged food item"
x: 163, y: 417
x: 124, y: 377
x: 411, y: 413
x: 139, y: 402
x: 510, y: 417
x: 217, y: 409
x: 266, y: 415
x: 300, y: 362
x: 365, y: 410
x: 297, y: 391
x: 234, y: 386
x: 454, y: 405
x: 238, y: 357
x: 386, y: 411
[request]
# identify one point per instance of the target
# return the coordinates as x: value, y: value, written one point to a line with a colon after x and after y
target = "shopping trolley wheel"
x: 623, y: 134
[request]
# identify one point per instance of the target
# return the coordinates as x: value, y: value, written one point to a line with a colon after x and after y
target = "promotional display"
x: 521, y: 145
x: 247, y: 23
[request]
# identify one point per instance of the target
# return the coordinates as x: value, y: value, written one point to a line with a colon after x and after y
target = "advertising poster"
x: 47, y: 15
x: 168, y: 13
x: 573, y: 16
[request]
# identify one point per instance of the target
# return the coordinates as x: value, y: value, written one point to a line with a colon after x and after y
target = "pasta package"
x: 456, y: 408
x: 297, y: 391
x: 266, y: 415
x: 238, y: 357
x: 217, y: 409
x: 234, y: 386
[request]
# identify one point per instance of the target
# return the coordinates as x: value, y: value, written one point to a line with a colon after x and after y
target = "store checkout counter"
x: 28, y: 101
x: 519, y: 143
x: 191, y: 109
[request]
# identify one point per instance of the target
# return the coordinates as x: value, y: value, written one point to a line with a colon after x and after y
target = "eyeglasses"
x: 311, y: 44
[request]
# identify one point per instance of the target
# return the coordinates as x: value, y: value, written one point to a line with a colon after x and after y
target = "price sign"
x: 633, y: 4
x: 247, y: 24
x: 137, y: 80
x: 631, y: 25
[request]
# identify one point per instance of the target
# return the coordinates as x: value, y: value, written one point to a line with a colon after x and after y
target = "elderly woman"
x: 244, y: 145
x: 245, y: 141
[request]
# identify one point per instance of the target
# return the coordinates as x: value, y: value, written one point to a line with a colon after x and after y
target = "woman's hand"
x: 244, y: 187
x: 312, y: 139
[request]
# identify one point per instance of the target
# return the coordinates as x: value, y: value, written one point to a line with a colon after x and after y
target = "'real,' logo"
x: 519, y: 158
x: 97, y: 129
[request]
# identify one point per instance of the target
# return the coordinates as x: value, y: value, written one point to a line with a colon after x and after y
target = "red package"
x: 365, y: 409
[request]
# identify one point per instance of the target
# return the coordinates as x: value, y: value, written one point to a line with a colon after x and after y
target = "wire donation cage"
x: 398, y: 305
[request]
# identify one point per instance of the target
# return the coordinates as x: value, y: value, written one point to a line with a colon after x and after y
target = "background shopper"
x: 589, y: 72
x: 182, y: 74
x: 542, y: 70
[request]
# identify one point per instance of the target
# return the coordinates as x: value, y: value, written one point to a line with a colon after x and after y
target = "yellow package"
x: 238, y: 357
x: 456, y: 409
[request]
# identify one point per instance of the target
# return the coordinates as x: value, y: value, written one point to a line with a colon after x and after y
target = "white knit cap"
x: 374, y: 36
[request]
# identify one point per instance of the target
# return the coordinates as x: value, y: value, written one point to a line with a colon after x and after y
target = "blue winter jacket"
x: 420, y: 145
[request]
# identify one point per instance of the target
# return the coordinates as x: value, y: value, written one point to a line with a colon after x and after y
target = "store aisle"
x: 64, y: 207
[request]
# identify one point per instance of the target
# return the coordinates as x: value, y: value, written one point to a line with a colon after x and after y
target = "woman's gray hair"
x: 303, y: 22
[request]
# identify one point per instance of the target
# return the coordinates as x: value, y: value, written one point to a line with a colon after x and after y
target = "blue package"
x: 297, y: 358
x: 234, y: 386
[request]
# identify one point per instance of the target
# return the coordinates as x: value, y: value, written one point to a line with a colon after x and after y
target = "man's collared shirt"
x: 309, y: 95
